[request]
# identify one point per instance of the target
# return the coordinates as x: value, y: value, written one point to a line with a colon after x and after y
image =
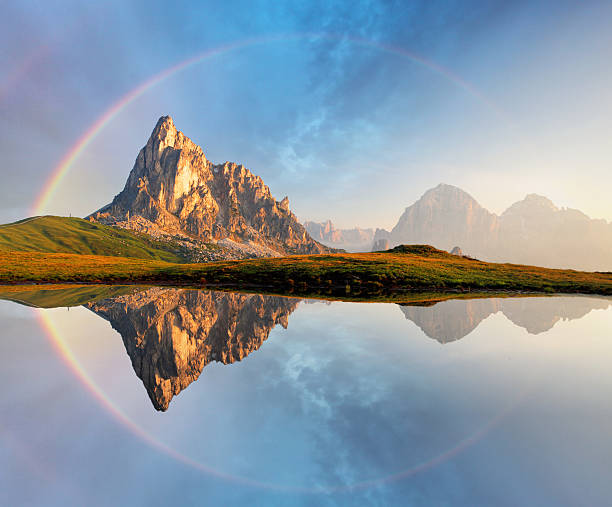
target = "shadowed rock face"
x: 172, y: 334
x: 173, y: 189
x: 452, y: 320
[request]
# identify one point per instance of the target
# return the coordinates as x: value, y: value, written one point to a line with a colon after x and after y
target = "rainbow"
x: 67, y: 161
x: 73, y: 364
x: 65, y: 164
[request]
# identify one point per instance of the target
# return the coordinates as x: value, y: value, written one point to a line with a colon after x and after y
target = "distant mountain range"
x: 532, y: 231
x: 173, y: 191
x: 347, y: 239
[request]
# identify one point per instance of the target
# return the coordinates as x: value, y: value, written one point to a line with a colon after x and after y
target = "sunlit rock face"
x: 172, y: 334
x: 448, y: 321
x: 174, y: 189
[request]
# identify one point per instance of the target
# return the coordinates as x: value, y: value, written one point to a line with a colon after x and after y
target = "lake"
x: 162, y: 396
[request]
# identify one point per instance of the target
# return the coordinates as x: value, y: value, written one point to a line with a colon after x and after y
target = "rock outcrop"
x: 174, y: 190
x: 355, y: 239
x: 172, y: 334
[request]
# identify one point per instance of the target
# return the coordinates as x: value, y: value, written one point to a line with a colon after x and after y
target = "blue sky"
x: 348, y: 130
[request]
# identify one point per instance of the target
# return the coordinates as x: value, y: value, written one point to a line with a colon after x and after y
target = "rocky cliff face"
x: 349, y: 239
x: 531, y: 231
x: 452, y: 320
x: 172, y: 334
x: 174, y: 189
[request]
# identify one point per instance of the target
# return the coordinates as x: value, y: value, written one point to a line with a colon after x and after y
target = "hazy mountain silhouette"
x: 348, y: 239
x: 531, y: 231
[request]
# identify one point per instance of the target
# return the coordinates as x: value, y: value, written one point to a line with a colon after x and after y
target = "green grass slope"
x: 74, y: 235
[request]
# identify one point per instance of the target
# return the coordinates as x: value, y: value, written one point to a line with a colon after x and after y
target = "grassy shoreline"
x: 363, y: 276
x: 69, y: 295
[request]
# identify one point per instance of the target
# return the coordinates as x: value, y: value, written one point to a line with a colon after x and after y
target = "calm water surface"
x: 174, y: 397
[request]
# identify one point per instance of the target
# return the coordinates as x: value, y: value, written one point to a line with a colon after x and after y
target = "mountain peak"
x: 446, y: 212
x: 447, y: 194
x: 165, y: 134
x: 173, y: 189
x: 166, y: 121
x: 540, y: 200
x: 533, y: 203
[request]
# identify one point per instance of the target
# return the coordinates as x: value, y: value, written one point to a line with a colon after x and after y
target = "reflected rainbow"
x: 71, y: 361
x: 66, y: 354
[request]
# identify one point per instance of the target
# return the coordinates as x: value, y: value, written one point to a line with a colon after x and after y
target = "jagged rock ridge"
x: 173, y: 189
x: 172, y: 334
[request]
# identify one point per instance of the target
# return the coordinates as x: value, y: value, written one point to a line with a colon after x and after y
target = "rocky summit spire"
x: 174, y: 190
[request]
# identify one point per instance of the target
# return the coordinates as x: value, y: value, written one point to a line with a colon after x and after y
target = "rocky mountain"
x: 355, y: 239
x: 531, y: 231
x: 535, y: 231
x: 172, y: 334
x: 445, y: 217
x: 174, y: 191
x: 452, y: 320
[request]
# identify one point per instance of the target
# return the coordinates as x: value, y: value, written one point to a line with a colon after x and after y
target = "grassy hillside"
x: 360, y: 275
x: 78, y: 236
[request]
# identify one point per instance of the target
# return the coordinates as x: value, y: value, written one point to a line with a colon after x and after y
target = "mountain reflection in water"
x: 451, y: 320
x: 171, y: 334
